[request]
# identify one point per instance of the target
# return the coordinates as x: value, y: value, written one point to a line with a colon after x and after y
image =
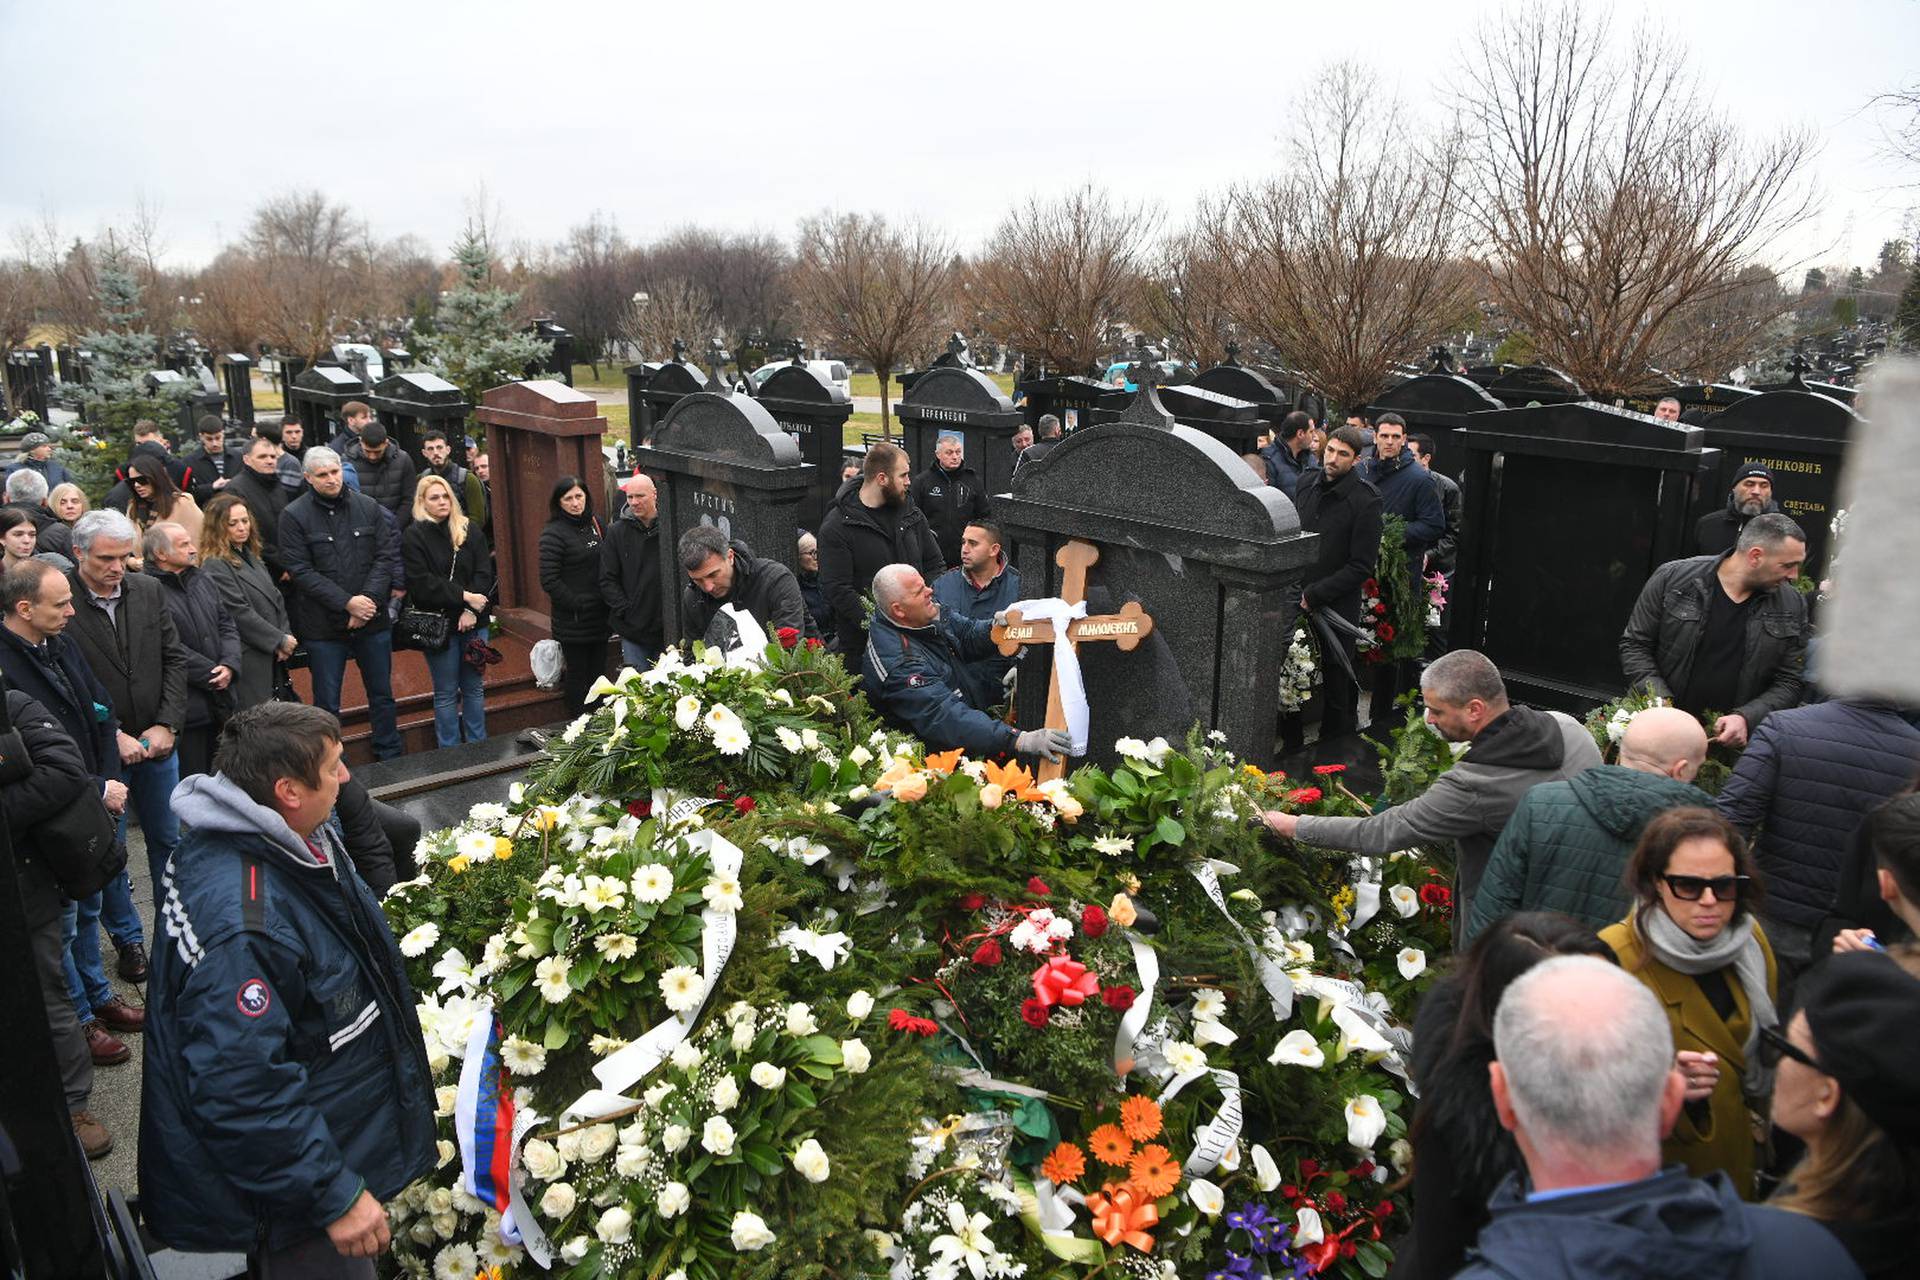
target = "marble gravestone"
x: 1801, y: 437
x: 536, y: 432
x: 1569, y: 508
x: 1231, y: 378
x: 721, y: 459
x: 407, y: 404
x: 1523, y: 385
x: 1077, y: 402
x: 966, y: 402
x: 1216, y: 557
x: 664, y: 388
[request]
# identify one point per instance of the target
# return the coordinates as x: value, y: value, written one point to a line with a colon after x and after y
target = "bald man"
x: 630, y: 574
x: 1566, y: 846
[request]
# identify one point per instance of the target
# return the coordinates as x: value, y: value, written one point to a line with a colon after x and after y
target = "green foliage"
x: 1906, y: 316
x: 1845, y: 311
x: 1515, y: 348
x: 1414, y: 756
x: 123, y: 354
x: 475, y: 340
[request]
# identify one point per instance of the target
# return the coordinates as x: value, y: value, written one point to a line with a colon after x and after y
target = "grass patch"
x: 618, y: 420
x: 612, y: 377
x: 867, y: 384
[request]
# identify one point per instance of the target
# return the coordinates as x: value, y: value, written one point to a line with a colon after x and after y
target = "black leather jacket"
x: 1670, y: 617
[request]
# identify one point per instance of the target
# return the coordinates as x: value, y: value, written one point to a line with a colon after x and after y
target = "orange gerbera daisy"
x: 1111, y: 1145
x: 1154, y: 1171
x: 1140, y: 1117
x: 1064, y: 1165
x: 1016, y: 779
x: 944, y: 761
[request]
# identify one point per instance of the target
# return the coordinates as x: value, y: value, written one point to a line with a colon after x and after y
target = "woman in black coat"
x: 570, y: 574
x: 450, y: 572
x: 1460, y: 1151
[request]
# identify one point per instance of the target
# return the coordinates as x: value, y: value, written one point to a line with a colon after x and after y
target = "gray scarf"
x: 1738, y: 946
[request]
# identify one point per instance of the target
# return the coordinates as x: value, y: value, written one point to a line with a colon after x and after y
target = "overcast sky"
x: 749, y: 116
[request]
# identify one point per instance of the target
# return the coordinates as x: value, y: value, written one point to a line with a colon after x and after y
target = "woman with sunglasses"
x: 156, y: 498
x: 1844, y: 1085
x: 1692, y: 937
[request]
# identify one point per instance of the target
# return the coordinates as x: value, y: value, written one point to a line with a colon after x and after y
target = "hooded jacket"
x: 285, y: 1071
x: 630, y: 580
x: 766, y: 589
x: 950, y: 500
x: 1566, y: 847
x: 1664, y: 1226
x: 1670, y: 619
x: 919, y: 679
x: 1807, y: 781
x: 1471, y: 802
x: 858, y: 541
x: 209, y: 638
x: 1717, y: 532
x: 1406, y: 490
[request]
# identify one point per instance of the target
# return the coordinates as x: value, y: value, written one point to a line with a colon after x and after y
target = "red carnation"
x: 1305, y: 795
x: 814, y: 642
x: 1327, y: 770
x: 987, y: 954
x: 640, y: 808
x: 720, y: 790
x: 1117, y: 997
x: 789, y: 637
x: 1371, y: 587
x: 743, y: 805
x: 1385, y: 631
x: 1034, y: 1011
x: 1038, y: 887
x: 1093, y: 920
x: 973, y: 901
x: 1336, y: 1202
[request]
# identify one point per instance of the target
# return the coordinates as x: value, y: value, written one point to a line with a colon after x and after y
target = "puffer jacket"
x: 1407, y: 491
x: 285, y: 1071
x: 389, y: 481
x: 570, y: 575
x: 858, y: 541
x: 1566, y: 846
x: 1670, y: 617
x: 1807, y: 780
x: 766, y: 589
x: 1284, y: 467
x: 920, y: 680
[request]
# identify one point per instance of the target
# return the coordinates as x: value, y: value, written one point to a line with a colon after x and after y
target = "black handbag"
x: 422, y: 629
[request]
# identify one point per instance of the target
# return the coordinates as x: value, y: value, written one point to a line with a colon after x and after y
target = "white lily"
x: 1405, y: 901
x: 1365, y: 1121
x: 1307, y: 1228
x: 967, y: 1242
x: 1356, y: 1033
x: 1206, y: 1197
x: 1412, y: 962
x: 1296, y: 1048
x: 1266, y: 1174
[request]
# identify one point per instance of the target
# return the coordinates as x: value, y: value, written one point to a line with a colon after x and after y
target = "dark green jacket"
x: 1566, y: 846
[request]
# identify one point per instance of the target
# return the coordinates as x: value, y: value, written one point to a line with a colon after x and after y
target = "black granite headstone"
x: 1231, y: 378
x: 1436, y: 404
x: 671, y: 383
x: 968, y: 404
x: 814, y: 412
x: 316, y: 396
x: 638, y: 377
x: 1215, y: 556
x: 26, y: 384
x: 236, y: 375
x: 1699, y: 401
x: 408, y: 403
x: 721, y: 459
x: 1569, y: 508
x: 1233, y: 422
x: 1801, y: 437
x: 1518, y: 386
x: 1077, y: 402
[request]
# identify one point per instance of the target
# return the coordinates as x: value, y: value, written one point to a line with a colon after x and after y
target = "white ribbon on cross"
x: 1066, y: 662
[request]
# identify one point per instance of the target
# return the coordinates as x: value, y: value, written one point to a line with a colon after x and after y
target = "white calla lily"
x: 1365, y: 1121
x: 1297, y: 1048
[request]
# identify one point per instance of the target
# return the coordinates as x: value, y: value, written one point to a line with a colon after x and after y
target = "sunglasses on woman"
x: 1690, y: 888
x: 1774, y: 1046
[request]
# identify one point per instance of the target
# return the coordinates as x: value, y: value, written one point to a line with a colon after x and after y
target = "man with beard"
x: 1344, y: 510
x: 722, y: 572
x: 982, y: 585
x: 1752, y: 495
x: 1668, y: 410
x: 438, y: 453
x: 950, y: 494
x: 871, y: 525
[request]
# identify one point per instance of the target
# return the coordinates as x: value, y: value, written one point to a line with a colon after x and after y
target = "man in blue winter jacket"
x: 980, y: 586
x: 1406, y: 491
x: 287, y: 1094
x: 917, y: 672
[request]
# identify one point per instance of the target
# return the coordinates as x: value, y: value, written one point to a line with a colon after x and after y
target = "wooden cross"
x: 1124, y: 629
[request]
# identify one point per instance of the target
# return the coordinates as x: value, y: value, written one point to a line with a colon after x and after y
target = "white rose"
x: 750, y: 1232
x: 672, y: 1200
x: 1400, y: 1154
x: 615, y: 1225
x: 768, y: 1076
x: 597, y: 1141
x: 575, y: 1249
x: 800, y: 1020
x: 859, y: 1005
x: 629, y: 1161
x: 542, y: 1160
x: 658, y: 1094
x: 811, y: 1160
x: 559, y: 1200
x: 860, y: 756
x: 717, y: 1136
x: 674, y: 1137
x: 741, y: 1038
x: 726, y: 1094
x: 569, y: 1144
x: 855, y: 1057
x: 685, y: 1056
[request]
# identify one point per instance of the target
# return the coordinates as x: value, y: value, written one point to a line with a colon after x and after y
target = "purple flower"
x: 1238, y: 1267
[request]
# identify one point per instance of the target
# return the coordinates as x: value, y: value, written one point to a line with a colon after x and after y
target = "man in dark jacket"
x: 1048, y: 428
x: 1344, y: 509
x: 981, y: 585
x: 1566, y: 847
x: 1725, y: 633
x: 438, y: 453
x: 343, y: 553
x: 1807, y: 780
x: 1596, y: 1204
x: 1446, y: 551
x: 286, y: 1092
x: 1752, y: 495
x: 1290, y: 456
x: 258, y: 484
x: 630, y: 574
x: 1407, y: 491
x: 719, y: 573
x: 1514, y: 749
x: 212, y: 466
x: 36, y: 455
x: 123, y: 626
x: 950, y: 495
x: 209, y: 638
x: 918, y: 673
x: 871, y: 525
x: 387, y: 474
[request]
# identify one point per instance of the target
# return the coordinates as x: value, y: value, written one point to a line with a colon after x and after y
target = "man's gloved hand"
x: 1049, y: 744
x: 1000, y: 618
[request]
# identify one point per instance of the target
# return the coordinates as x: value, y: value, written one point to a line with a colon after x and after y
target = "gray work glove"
x: 1049, y: 744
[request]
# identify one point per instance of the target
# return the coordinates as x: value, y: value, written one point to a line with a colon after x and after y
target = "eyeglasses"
x: 1690, y: 888
x: 1774, y: 1046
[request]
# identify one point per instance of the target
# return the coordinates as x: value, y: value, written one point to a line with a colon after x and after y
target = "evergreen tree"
x: 475, y: 342
x: 1906, y: 317
x: 123, y: 354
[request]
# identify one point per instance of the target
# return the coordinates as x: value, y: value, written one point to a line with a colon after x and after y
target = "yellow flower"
x: 1121, y: 912
x: 502, y: 847
x: 1253, y: 771
x: 992, y: 795
x: 1343, y: 902
x: 458, y: 862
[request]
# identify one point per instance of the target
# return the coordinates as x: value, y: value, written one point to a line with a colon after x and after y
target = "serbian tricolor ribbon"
x: 483, y: 1117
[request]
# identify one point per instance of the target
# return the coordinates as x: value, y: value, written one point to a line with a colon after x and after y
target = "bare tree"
x: 1348, y: 261
x: 1610, y: 198
x: 1058, y: 274
x: 589, y: 285
x: 1899, y: 113
x: 744, y: 275
x: 873, y: 290
x: 21, y: 297
x: 314, y: 259
x: 1187, y: 295
x: 669, y: 309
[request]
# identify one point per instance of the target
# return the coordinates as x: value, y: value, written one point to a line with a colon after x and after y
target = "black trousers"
x: 586, y: 661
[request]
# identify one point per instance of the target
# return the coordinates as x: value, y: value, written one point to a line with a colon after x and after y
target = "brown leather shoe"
x: 94, y: 1138
x: 121, y: 1016
x: 106, y: 1050
x: 133, y: 962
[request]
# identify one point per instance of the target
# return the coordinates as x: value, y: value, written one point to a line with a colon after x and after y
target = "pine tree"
x: 476, y: 343
x: 1906, y: 316
x: 123, y: 354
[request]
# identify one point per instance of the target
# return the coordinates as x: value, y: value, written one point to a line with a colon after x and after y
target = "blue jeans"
x: 459, y: 700
x: 638, y: 656
x: 372, y: 651
x: 87, y: 984
x: 150, y: 787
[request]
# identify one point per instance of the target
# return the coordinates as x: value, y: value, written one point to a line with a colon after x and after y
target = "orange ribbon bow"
x: 1121, y: 1214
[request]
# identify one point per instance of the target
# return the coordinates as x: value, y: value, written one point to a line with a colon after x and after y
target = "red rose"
x: 1093, y: 920
x: 1380, y: 609
x: 1038, y: 887
x: 1386, y: 632
x: 973, y: 901
x: 1117, y: 997
x: 1034, y: 1011
x: 987, y: 954
x: 789, y: 637
x: 640, y: 808
x: 1328, y: 770
x: 743, y: 804
x: 1309, y: 1168
x: 814, y: 642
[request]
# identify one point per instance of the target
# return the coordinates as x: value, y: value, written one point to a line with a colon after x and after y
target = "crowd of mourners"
x: 1678, y: 1037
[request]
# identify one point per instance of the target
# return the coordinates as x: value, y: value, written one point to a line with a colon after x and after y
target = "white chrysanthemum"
x: 616, y: 946
x: 652, y: 882
x: 1131, y: 748
x: 1209, y: 1005
x: 790, y: 740
x: 475, y: 846
x: 717, y: 1136
x: 682, y: 987
x: 601, y: 1046
x: 722, y: 893
x: 456, y: 1262
x: 574, y: 730
x: 811, y: 1161
x: 1184, y: 1058
x: 551, y: 974
x: 732, y: 740
x: 1113, y: 846
x: 523, y: 1057
x: 419, y: 939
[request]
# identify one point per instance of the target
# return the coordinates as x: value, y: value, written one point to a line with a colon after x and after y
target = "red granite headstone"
x: 536, y: 433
